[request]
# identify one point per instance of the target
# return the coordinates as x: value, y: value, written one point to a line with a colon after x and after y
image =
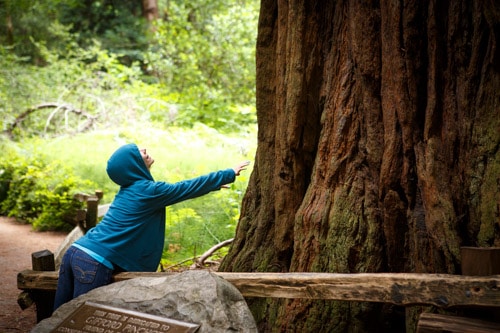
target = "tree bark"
x: 378, y: 147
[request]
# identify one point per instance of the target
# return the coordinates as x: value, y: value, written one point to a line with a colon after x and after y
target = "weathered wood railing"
x: 404, y: 289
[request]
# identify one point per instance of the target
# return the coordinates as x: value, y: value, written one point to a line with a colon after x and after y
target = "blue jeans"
x: 79, y: 273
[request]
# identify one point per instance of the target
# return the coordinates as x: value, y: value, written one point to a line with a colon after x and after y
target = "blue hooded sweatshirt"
x: 131, y: 235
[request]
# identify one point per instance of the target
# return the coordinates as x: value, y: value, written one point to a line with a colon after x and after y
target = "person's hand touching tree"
x: 241, y: 167
x: 237, y: 170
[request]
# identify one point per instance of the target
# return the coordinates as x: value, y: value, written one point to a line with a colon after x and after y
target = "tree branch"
x: 57, y: 106
x: 199, y: 263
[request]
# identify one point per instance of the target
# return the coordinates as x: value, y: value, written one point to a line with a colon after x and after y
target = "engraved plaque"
x: 98, y: 318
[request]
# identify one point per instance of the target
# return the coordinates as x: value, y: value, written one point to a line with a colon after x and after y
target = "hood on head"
x: 126, y: 166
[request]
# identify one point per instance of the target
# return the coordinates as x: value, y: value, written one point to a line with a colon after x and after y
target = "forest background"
x: 80, y: 78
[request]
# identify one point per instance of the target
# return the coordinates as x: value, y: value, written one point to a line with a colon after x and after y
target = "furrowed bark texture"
x: 378, y: 147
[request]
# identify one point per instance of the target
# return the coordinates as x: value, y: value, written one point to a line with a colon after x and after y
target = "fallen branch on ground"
x: 201, y: 261
x: 58, y: 107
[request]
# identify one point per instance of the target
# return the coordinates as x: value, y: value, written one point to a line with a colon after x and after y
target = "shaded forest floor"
x: 17, y: 243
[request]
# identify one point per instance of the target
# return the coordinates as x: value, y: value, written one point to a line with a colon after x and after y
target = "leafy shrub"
x: 55, y: 196
x: 39, y: 193
x: 20, y: 197
x: 6, y: 175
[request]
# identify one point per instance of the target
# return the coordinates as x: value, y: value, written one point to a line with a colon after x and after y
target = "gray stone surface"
x: 74, y: 235
x: 193, y: 296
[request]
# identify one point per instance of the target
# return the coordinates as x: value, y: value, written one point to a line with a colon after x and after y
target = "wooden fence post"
x: 481, y: 261
x: 92, y: 210
x: 99, y: 194
x: 91, y: 218
x: 44, y: 299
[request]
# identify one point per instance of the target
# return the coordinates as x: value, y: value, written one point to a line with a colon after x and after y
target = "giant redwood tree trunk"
x: 378, y: 147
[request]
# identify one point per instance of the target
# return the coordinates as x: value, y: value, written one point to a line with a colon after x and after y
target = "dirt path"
x: 17, y: 243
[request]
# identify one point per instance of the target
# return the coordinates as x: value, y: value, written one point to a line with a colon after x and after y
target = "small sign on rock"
x: 98, y: 318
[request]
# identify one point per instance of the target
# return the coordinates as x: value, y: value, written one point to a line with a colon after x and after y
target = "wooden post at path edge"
x: 92, y: 210
x: 44, y: 299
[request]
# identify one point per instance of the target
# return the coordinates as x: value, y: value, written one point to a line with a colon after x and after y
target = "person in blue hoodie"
x: 130, y: 237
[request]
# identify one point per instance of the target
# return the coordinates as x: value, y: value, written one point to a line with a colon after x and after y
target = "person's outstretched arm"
x: 192, y: 188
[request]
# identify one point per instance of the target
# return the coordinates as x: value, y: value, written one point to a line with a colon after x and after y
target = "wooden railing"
x: 87, y: 218
x: 440, y: 290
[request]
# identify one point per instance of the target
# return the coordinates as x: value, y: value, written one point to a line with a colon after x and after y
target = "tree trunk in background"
x: 7, y: 27
x: 150, y: 9
x: 378, y: 148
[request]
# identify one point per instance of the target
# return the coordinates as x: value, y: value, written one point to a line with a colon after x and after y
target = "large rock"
x: 198, y: 297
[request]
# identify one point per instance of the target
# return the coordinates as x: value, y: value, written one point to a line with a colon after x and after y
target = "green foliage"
x: 203, y: 56
x: 7, y: 168
x: 117, y: 25
x: 39, y: 193
x: 89, y: 61
x: 86, y: 85
x: 27, y: 20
